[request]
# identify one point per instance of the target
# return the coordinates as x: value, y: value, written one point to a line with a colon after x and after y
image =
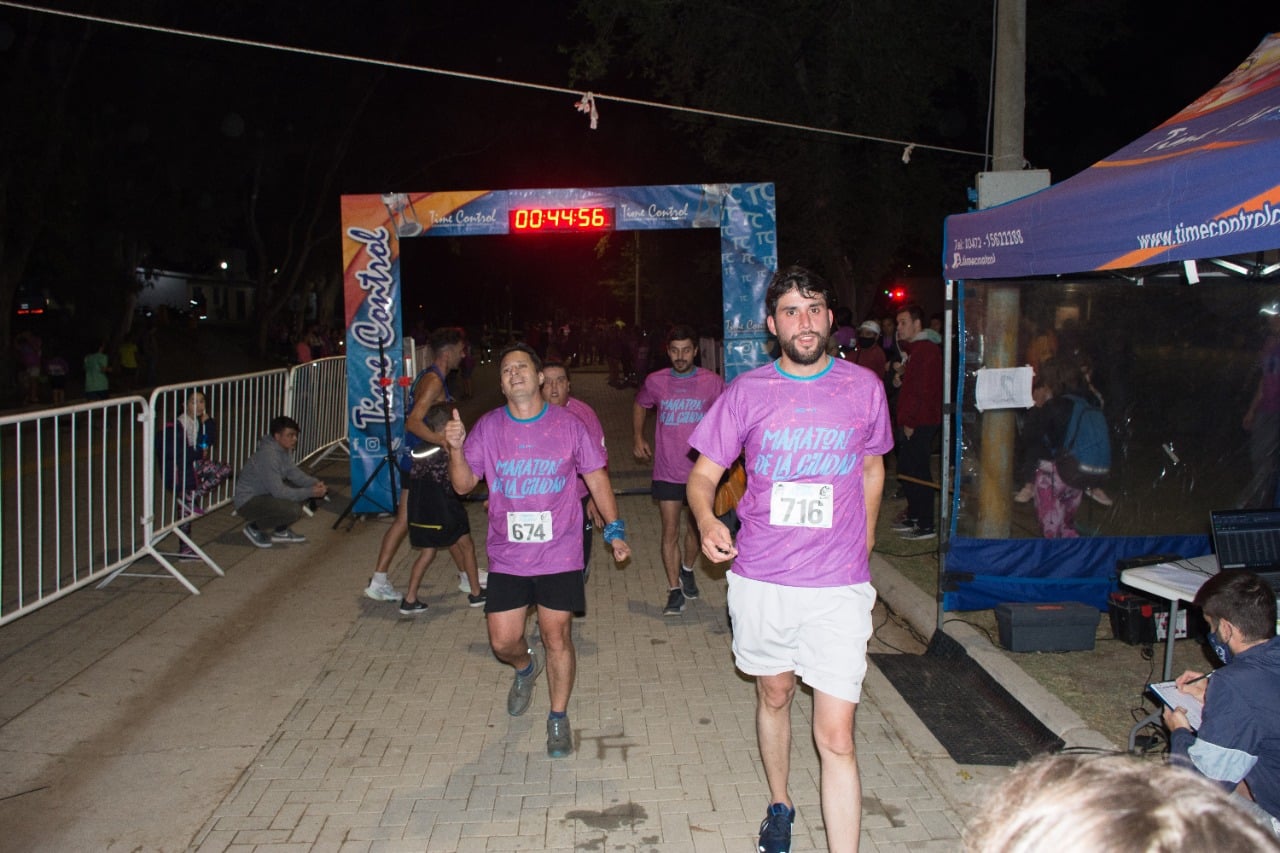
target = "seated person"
x: 1074, y: 803
x: 270, y: 489
x: 1238, y: 745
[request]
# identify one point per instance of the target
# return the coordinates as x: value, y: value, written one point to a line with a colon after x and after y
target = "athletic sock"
x: 526, y: 672
x: 380, y: 579
x: 557, y: 715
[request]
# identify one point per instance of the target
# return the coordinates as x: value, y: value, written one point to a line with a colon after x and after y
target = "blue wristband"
x: 615, y: 530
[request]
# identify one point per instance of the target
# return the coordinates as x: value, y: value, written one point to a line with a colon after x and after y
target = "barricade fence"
x: 317, y: 400
x: 88, y: 490
x: 72, y: 499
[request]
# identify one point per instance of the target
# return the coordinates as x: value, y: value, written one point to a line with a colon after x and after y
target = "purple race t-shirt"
x: 587, y: 415
x: 531, y: 466
x: 803, y: 514
x: 681, y: 399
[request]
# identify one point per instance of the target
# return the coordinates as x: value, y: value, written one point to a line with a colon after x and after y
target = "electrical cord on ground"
x: 891, y: 616
x: 990, y: 639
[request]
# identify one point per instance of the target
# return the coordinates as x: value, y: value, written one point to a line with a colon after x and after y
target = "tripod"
x: 388, y: 461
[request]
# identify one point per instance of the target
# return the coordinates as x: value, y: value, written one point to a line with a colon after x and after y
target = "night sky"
x: 425, y: 132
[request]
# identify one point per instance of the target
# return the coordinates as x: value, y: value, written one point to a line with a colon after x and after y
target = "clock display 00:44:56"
x: 532, y: 219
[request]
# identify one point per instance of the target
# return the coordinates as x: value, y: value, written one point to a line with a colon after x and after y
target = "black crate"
x: 1132, y: 618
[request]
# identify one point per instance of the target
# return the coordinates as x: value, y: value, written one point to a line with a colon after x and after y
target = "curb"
x: 920, y: 610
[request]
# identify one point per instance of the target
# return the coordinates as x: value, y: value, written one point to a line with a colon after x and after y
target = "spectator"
x: 57, y: 369
x: 30, y: 358
x: 918, y: 378
x: 186, y: 467
x: 127, y: 358
x: 270, y: 489
x: 96, y: 368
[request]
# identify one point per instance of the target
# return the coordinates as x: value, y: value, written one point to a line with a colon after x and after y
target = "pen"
x: 1201, y: 677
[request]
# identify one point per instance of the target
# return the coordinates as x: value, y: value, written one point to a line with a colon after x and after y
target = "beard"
x: 794, y: 353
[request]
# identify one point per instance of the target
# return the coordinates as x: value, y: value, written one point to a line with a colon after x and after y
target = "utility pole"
x: 995, y: 482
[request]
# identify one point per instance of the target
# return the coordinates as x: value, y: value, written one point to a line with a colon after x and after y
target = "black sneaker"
x: 412, y: 608
x: 675, y: 603
x: 919, y: 533
x: 688, y: 584
x: 775, y: 829
x: 477, y: 600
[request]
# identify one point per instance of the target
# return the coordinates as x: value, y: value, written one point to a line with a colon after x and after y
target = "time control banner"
x: 374, y: 225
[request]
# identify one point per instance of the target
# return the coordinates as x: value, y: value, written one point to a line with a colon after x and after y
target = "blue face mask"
x: 1219, y: 648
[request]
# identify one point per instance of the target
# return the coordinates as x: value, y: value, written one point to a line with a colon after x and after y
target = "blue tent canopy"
x: 1203, y: 185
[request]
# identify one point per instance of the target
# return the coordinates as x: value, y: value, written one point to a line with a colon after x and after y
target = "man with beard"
x: 814, y: 429
x: 531, y: 453
x: 680, y: 395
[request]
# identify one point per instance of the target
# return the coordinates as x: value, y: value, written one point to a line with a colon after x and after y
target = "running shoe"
x: 381, y: 592
x: 675, y: 603
x: 521, y: 692
x: 775, y: 829
x: 412, y: 608
x: 559, y: 737
x: 688, y: 584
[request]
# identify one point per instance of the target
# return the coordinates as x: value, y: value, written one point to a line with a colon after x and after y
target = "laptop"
x: 1248, y: 539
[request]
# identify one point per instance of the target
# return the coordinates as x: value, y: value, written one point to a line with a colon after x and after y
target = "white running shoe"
x: 383, y: 592
x: 465, y: 586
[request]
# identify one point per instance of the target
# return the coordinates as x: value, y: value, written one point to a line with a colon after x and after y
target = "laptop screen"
x: 1247, y: 539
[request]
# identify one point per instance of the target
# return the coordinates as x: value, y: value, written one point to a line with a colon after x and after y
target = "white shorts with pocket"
x: 820, y: 633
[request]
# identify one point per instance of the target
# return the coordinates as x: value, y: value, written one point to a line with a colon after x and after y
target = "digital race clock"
x: 531, y: 220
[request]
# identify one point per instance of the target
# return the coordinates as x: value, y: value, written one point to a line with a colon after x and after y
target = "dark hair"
x: 446, y: 336
x: 280, y: 423
x: 439, y: 415
x: 681, y: 333
x: 1060, y: 375
x: 914, y: 309
x: 521, y: 346
x: 792, y: 278
x: 559, y: 364
x: 1243, y: 599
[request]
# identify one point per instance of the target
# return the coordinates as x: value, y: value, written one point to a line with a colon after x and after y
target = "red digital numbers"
x: 560, y: 219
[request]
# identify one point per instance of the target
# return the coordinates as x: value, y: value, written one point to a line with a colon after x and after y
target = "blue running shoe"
x: 775, y: 829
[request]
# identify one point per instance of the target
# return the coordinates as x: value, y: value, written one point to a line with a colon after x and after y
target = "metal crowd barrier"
x: 73, y: 495
x: 83, y: 488
x: 316, y: 397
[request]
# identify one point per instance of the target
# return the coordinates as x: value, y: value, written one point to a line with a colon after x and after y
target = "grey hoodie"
x: 270, y: 471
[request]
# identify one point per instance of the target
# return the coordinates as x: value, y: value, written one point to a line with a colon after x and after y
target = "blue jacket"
x: 1239, y: 735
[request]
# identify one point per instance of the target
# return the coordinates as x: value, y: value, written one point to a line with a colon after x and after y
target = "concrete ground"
x: 281, y: 710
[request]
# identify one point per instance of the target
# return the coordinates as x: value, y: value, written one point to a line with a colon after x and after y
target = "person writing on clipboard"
x: 1238, y: 743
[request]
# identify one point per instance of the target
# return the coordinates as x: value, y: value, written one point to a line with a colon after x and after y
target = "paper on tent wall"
x: 1169, y: 694
x: 1004, y: 388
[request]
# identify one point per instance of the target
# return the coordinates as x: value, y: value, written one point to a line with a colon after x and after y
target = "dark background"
x: 124, y: 148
